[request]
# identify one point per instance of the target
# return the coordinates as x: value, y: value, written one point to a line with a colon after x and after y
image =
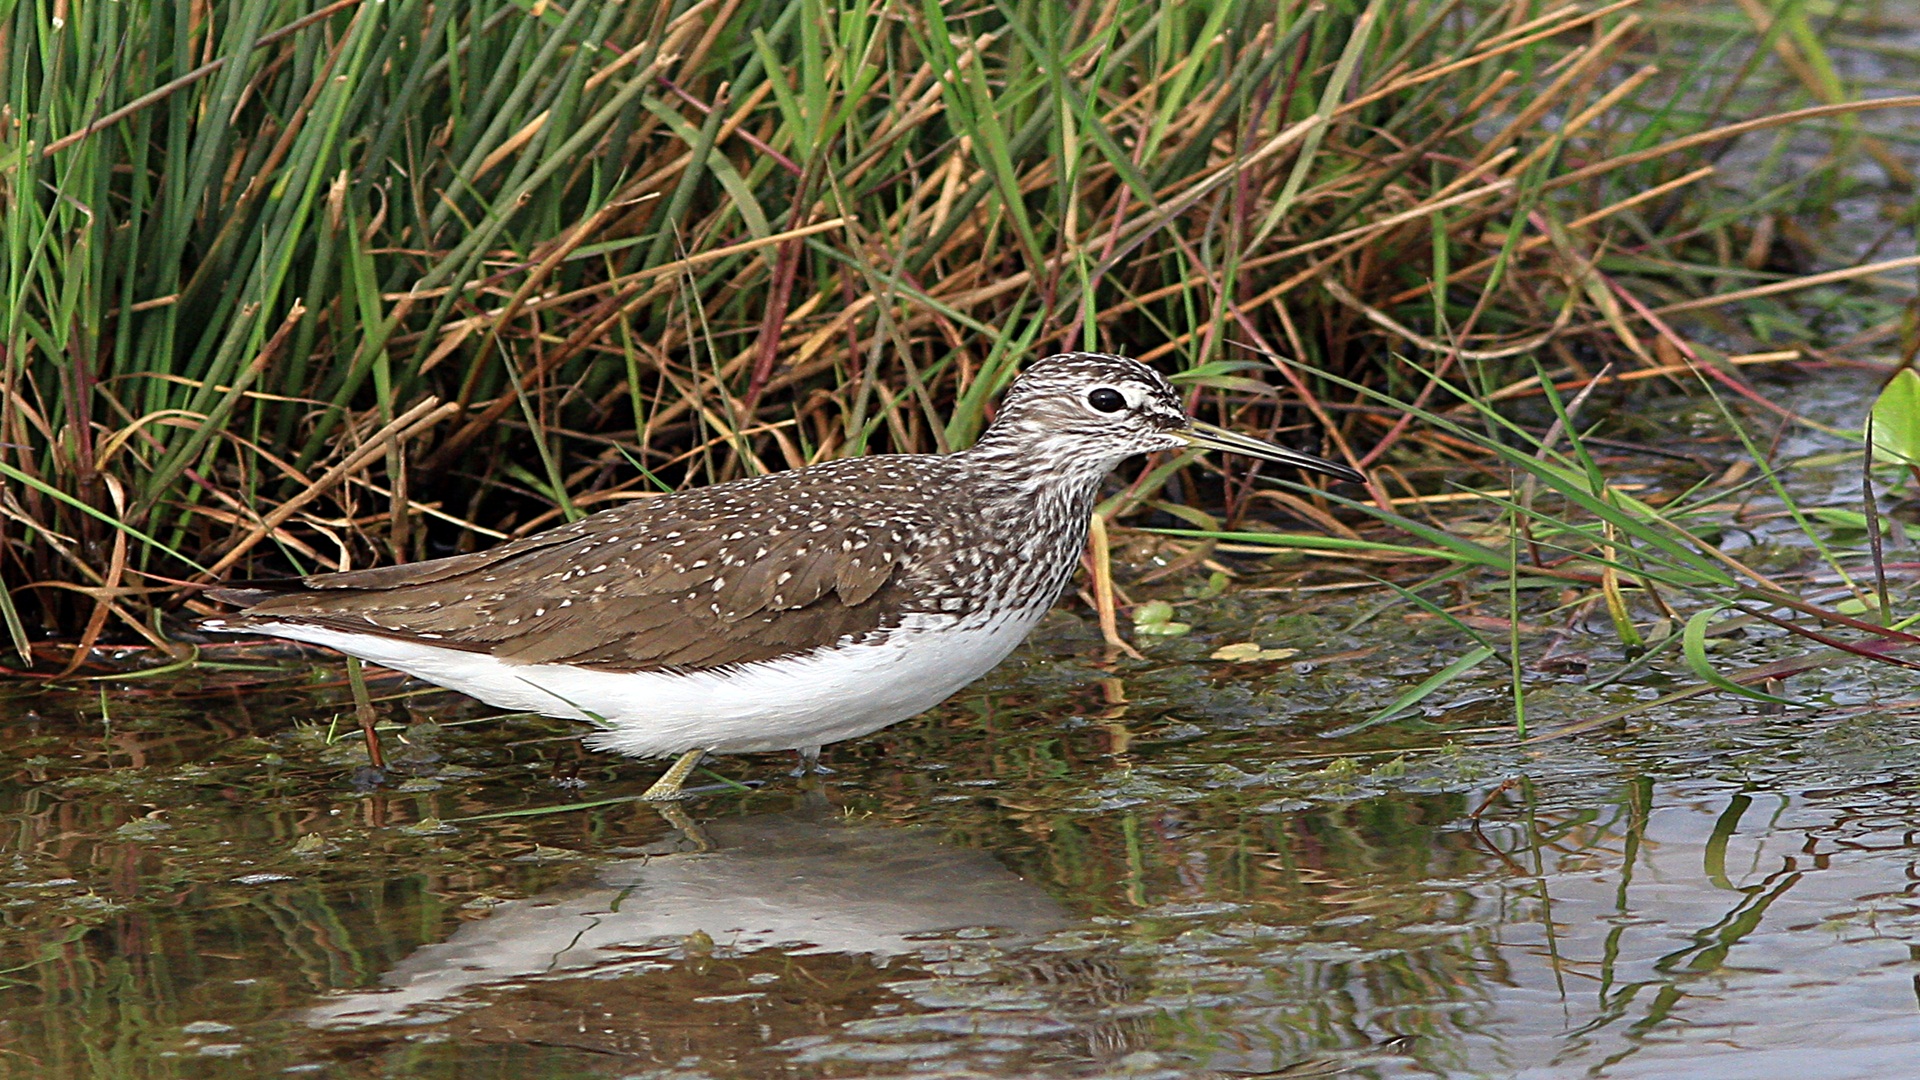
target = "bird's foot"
x: 809, y: 763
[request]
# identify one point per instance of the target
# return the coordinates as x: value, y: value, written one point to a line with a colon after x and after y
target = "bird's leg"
x: 667, y: 788
x: 809, y: 762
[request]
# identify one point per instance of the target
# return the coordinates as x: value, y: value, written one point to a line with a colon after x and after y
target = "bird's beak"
x: 1208, y: 437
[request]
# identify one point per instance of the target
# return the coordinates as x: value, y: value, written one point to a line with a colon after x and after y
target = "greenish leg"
x: 667, y: 788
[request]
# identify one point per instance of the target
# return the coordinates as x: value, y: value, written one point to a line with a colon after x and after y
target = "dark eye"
x: 1106, y: 399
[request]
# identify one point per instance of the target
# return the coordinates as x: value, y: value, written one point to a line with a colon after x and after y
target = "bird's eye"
x: 1106, y: 399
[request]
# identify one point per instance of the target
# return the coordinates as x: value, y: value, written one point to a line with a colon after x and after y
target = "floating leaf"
x: 144, y: 828
x: 1896, y: 420
x: 1155, y: 617
x: 1245, y: 651
x: 313, y: 845
x: 429, y: 827
x: 1693, y: 642
x: 1152, y: 611
x: 1215, y: 585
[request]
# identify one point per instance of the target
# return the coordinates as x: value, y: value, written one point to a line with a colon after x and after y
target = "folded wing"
x: 683, y: 582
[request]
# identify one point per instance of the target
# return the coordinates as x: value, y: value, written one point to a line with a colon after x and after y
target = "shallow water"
x: 1077, y: 868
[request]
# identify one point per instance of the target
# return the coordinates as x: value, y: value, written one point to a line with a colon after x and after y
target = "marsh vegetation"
x: 1600, y: 295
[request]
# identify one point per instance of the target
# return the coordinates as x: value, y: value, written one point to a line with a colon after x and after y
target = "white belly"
x: 806, y: 701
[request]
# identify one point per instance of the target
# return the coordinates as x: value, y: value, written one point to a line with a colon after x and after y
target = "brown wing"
x: 720, y: 576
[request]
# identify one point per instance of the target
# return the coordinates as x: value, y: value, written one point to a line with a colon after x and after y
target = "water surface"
x: 1082, y: 867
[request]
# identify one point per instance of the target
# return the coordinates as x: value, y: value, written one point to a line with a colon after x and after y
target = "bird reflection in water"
x: 776, y: 928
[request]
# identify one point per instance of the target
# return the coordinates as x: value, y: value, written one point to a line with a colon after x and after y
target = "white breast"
x: 805, y: 701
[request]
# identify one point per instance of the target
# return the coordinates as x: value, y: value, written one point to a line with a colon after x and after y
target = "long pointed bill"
x: 1208, y: 437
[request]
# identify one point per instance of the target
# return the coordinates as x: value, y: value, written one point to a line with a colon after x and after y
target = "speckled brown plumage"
x: 731, y: 574
x: 783, y: 611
